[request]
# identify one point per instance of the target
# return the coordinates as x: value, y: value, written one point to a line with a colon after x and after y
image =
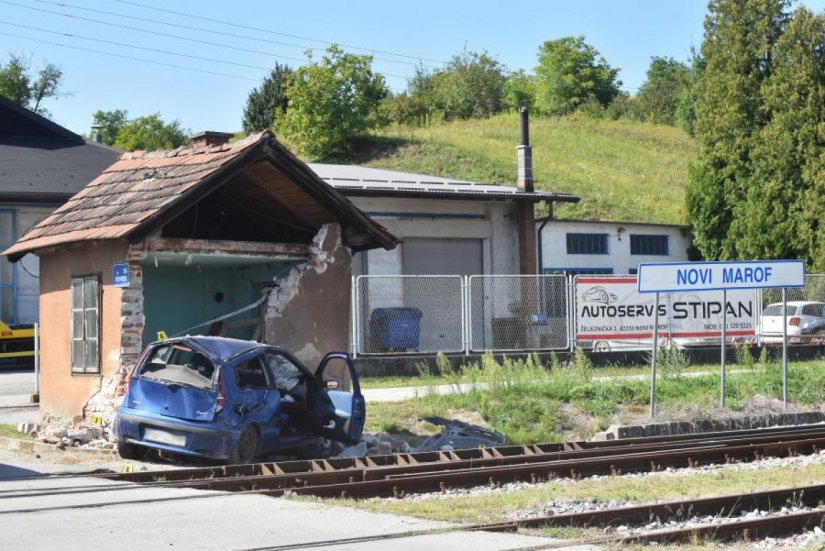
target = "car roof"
x: 223, y: 348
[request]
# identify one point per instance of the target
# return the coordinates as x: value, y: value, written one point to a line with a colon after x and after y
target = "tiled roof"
x: 140, y: 187
x: 376, y: 182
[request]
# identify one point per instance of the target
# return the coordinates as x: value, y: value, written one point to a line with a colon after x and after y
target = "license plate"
x: 164, y: 437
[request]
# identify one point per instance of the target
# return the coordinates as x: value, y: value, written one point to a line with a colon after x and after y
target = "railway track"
x: 397, y: 475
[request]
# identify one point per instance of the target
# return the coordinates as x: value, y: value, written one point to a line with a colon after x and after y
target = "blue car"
x: 233, y: 400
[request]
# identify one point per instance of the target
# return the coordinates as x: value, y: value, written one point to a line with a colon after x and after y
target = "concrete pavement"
x: 154, y: 518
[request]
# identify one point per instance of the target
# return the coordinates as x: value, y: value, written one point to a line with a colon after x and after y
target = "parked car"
x: 805, y: 323
x: 233, y: 400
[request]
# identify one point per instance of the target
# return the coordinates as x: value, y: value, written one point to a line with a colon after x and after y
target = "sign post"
x: 653, y: 357
x: 722, y: 276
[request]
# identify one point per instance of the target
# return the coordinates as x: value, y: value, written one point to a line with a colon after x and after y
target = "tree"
x: 660, y: 97
x: 736, y: 52
x: 266, y: 100
x: 331, y: 103
x: 19, y: 85
x: 112, y: 123
x: 782, y: 215
x: 470, y: 85
x: 570, y: 72
x: 150, y: 133
x: 519, y: 91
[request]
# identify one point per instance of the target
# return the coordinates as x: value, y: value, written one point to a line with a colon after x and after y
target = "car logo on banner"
x: 599, y: 294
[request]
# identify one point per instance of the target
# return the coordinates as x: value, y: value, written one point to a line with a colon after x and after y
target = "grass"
x: 8, y: 430
x: 489, y: 507
x: 529, y: 402
x: 605, y: 162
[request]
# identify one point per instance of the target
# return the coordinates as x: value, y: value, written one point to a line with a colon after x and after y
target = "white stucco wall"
x: 619, y: 259
x: 495, y: 226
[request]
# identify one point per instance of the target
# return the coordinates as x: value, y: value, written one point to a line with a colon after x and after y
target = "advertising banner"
x: 612, y: 308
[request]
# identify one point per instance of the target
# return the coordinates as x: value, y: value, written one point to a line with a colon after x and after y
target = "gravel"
x: 815, y: 537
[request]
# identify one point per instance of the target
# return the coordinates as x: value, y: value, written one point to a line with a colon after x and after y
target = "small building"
x: 235, y: 239
x: 42, y: 164
x: 599, y: 247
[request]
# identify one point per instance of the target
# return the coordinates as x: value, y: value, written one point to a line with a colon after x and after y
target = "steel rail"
x: 727, y: 505
x: 318, y: 475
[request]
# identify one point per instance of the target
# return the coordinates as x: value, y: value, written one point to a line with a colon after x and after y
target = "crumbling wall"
x: 103, y: 404
x: 308, y: 311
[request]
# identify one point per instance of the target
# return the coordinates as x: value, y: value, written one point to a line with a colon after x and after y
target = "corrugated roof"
x: 365, y: 181
x: 136, y: 193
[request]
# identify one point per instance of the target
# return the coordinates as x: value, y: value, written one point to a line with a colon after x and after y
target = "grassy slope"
x: 622, y: 170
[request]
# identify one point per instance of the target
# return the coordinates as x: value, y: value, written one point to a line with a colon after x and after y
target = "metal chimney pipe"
x: 97, y: 133
x: 524, y: 154
x: 525, y: 127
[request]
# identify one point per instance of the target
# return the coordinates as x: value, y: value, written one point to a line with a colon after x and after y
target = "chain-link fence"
x: 805, y: 315
x: 409, y: 314
x: 428, y: 314
x: 510, y: 312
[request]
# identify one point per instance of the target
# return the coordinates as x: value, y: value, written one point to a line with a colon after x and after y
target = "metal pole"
x: 784, y: 350
x: 354, y: 317
x: 724, y: 343
x: 466, y: 315
x: 37, y: 358
x: 653, y: 360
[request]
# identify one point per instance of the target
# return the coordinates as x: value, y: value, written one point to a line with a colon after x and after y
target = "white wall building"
x: 595, y: 247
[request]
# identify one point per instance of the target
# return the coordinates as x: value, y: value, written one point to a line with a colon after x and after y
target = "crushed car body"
x: 234, y: 400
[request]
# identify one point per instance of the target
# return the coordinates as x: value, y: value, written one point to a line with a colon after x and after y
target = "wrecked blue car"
x: 234, y: 400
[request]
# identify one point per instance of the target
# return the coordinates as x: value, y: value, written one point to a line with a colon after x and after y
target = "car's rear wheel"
x: 131, y: 451
x: 246, y: 448
x: 320, y: 448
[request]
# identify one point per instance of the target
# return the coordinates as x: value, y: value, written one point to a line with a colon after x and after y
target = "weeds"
x: 531, y: 402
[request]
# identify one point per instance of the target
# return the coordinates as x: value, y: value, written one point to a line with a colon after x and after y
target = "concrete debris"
x: 28, y: 428
x: 456, y: 435
x: 459, y: 435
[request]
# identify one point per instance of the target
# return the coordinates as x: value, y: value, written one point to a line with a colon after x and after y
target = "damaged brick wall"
x: 104, y: 403
x: 308, y: 311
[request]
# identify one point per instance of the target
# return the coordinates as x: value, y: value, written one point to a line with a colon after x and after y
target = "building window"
x: 579, y: 271
x: 86, y: 324
x: 586, y: 243
x: 8, y: 271
x: 651, y: 245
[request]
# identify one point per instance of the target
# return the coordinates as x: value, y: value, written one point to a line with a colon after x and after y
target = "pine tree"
x: 736, y: 52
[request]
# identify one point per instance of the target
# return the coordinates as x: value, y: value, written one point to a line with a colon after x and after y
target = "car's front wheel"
x: 131, y: 451
x: 246, y: 448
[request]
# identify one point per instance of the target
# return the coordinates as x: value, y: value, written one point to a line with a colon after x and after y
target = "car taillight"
x: 134, y: 369
x: 221, y: 393
x: 794, y: 322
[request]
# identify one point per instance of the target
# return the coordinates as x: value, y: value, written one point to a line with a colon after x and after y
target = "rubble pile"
x: 74, y: 435
x: 455, y: 436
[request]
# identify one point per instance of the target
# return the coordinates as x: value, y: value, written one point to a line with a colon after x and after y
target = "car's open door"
x: 343, y: 412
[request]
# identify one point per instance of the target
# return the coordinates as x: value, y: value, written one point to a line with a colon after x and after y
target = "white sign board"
x: 612, y: 308
x: 710, y: 276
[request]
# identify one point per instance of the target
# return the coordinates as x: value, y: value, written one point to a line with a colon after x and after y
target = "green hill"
x: 622, y: 170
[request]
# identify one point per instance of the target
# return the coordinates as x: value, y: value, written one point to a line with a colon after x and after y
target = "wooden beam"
x: 313, y: 224
x: 246, y: 248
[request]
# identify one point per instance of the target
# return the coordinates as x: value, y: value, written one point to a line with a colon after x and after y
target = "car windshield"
x: 178, y: 364
x: 776, y: 310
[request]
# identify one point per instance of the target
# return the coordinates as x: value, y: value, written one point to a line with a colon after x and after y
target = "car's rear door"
x: 259, y: 400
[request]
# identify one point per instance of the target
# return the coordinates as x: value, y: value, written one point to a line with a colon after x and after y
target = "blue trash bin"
x: 395, y: 328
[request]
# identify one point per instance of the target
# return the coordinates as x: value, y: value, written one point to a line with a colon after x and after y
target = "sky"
x: 198, y: 65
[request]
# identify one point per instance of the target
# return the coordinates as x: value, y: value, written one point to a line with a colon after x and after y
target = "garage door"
x: 442, y: 256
